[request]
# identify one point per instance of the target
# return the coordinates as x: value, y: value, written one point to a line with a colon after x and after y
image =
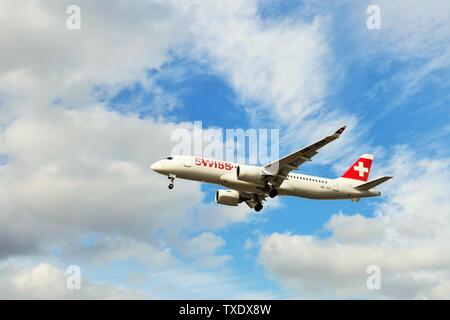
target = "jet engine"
x: 249, y: 174
x: 227, y: 197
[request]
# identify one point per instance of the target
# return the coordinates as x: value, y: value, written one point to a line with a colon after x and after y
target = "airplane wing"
x: 278, y: 170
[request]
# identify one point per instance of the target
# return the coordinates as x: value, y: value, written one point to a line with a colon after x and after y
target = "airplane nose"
x: 158, y: 166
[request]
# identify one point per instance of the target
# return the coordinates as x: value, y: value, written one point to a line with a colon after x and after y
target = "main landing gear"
x: 172, y: 179
x: 258, y: 207
x: 273, y: 193
x: 271, y: 190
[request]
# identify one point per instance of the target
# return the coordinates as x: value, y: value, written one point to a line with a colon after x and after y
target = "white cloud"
x: 206, y: 242
x: 409, y: 33
x: 213, y: 216
x: 280, y: 69
x: 83, y: 171
x: 101, y: 252
x: 90, y: 178
x: 77, y: 167
x: 89, y: 170
x: 204, y: 246
x: 354, y: 228
x: 415, y: 33
x: 249, y: 244
x: 187, y: 283
x: 408, y: 239
x: 115, y: 46
x: 45, y: 281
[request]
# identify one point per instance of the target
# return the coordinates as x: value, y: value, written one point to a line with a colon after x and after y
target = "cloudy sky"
x: 83, y: 113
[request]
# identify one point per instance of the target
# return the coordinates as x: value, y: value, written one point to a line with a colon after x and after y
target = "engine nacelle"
x: 227, y: 197
x: 249, y: 174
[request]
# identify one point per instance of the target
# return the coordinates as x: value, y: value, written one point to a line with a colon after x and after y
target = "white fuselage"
x: 224, y: 173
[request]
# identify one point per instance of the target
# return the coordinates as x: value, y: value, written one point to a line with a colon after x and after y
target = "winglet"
x: 338, y: 132
x: 341, y: 130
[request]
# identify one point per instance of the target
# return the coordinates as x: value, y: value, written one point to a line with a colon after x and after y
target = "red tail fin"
x: 360, y: 170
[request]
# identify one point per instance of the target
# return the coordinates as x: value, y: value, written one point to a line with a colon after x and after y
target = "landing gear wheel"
x: 273, y: 193
x: 258, y: 207
x: 172, y: 179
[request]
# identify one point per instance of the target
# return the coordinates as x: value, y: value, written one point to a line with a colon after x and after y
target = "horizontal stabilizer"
x: 372, y: 184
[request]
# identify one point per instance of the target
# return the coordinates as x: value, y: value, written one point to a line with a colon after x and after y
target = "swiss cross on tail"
x: 360, y: 170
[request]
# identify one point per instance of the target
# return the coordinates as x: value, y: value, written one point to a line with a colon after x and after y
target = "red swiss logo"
x: 213, y: 164
x: 359, y: 170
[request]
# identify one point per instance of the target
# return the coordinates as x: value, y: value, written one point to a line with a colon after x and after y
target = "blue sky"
x: 96, y: 121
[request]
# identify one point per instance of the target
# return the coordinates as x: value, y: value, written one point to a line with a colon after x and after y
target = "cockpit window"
x: 169, y: 158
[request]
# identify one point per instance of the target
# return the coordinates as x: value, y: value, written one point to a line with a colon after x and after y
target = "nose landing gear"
x: 172, y: 179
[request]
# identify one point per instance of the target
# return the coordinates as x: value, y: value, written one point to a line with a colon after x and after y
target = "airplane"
x: 253, y: 184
